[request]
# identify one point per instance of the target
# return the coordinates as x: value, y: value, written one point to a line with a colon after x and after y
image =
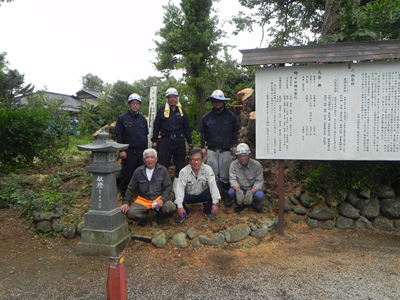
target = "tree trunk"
x: 331, y: 22
x: 200, y: 97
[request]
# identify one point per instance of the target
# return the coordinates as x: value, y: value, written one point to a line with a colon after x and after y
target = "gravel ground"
x: 303, y: 264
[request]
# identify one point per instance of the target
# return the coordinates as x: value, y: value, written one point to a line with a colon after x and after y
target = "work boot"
x: 142, y: 223
x: 239, y: 208
x: 223, y: 190
x: 161, y: 219
x: 227, y: 201
x: 257, y: 207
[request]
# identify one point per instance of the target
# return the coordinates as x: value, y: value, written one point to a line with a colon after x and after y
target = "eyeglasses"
x: 196, y: 159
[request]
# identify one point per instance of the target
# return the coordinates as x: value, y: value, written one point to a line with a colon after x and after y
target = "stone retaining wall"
x: 377, y: 209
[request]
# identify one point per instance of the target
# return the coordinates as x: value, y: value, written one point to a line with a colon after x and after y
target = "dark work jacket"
x: 160, y: 185
x: 175, y: 124
x: 219, y: 130
x: 133, y: 130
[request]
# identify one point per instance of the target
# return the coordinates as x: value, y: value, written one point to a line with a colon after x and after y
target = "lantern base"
x: 104, y: 242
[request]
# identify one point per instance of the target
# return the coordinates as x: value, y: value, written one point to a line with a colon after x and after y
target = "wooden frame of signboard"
x: 317, y: 54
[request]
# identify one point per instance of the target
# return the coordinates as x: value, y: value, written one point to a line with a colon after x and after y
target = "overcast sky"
x: 54, y: 43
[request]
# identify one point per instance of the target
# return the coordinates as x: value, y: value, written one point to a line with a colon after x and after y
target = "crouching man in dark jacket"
x: 151, y: 187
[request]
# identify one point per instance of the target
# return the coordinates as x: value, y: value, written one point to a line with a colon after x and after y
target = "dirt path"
x: 305, y: 263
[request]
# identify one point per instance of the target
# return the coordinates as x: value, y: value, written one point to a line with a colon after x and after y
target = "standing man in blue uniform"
x: 172, y: 124
x: 219, y: 132
x: 132, y: 129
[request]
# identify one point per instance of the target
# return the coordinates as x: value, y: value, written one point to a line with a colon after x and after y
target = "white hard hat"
x: 134, y: 97
x: 170, y: 92
x: 217, y: 95
x: 242, y: 149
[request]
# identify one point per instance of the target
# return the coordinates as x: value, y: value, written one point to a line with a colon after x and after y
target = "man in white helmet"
x: 131, y: 128
x: 219, y: 133
x: 246, y: 178
x: 172, y: 125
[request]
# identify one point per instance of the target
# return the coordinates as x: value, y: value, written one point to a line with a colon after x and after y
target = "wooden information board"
x: 343, y: 111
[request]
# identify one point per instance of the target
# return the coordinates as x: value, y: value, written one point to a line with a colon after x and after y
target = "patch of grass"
x: 53, y: 181
x: 182, y: 263
x: 79, y: 140
x: 74, y: 153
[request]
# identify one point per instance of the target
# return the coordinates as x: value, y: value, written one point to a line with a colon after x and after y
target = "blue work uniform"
x: 172, y: 131
x: 219, y: 131
x: 131, y: 129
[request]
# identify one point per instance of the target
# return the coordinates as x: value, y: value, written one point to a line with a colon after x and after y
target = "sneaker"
x: 258, y: 210
x: 239, y: 208
x: 178, y: 219
x: 210, y: 217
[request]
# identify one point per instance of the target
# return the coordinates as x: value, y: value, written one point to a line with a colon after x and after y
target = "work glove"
x: 240, y: 197
x: 248, y: 198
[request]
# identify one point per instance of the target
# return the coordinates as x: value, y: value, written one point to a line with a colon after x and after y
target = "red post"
x: 116, y: 282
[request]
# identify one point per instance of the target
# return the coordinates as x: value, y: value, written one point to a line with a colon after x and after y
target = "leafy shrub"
x: 352, y: 175
x: 29, y: 202
x: 36, y: 131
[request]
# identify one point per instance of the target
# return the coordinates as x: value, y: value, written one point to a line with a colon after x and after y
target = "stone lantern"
x: 105, y: 231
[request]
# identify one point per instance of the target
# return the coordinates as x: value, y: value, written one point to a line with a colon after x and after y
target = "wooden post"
x: 281, y: 200
x: 116, y: 282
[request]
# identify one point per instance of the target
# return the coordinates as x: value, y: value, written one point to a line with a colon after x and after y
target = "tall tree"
x: 227, y: 75
x: 285, y: 22
x: 92, y: 82
x: 12, y: 84
x: 331, y: 21
x: 367, y: 20
x: 291, y: 22
x: 189, y: 41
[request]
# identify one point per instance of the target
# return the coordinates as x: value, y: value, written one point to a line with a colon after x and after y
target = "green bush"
x: 352, y: 175
x: 36, y: 131
x: 29, y: 202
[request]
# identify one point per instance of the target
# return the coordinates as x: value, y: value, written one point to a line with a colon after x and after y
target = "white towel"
x: 166, y: 110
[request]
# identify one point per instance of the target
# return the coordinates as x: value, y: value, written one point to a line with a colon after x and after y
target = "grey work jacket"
x: 247, y: 178
x: 160, y: 185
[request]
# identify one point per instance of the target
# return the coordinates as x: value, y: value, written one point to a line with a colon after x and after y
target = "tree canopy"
x: 366, y: 21
x: 285, y: 22
x: 302, y: 21
x: 12, y: 84
x: 189, y: 41
x: 92, y: 82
